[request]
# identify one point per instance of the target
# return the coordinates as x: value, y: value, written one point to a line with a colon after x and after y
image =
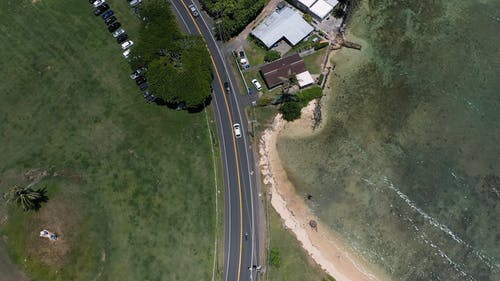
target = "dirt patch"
x: 62, y: 216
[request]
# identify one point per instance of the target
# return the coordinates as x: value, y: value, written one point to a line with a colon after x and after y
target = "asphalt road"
x: 241, y: 243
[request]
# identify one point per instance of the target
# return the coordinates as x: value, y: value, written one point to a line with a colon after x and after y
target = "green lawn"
x: 313, y: 61
x: 255, y: 53
x: 131, y: 185
x: 294, y: 263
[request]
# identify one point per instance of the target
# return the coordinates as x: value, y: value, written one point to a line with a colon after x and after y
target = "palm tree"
x: 26, y: 197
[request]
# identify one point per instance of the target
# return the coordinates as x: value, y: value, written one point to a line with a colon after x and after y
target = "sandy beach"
x: 327, y: 250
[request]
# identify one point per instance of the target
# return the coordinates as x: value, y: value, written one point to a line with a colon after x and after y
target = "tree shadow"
x: 42, y: 199
x: 182, y: 105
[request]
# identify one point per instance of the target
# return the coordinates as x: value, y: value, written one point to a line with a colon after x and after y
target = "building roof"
x: 275, y: 72
x: 307, y: 3
x: 332, y: 3
x: 282, y: 23
x: 321, y: 9
x: 304, y: 79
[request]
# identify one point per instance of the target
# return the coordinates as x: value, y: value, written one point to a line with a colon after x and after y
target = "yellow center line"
x: 232, y: 133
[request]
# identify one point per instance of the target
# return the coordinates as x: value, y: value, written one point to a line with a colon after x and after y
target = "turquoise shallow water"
x: 407, y: 167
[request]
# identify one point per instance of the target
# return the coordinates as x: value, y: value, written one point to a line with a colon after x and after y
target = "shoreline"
x: 324, y: 247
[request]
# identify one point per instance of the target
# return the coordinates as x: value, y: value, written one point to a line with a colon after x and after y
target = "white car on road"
x: 237, y: 130
x: 127, y: 44
x: 257, y: 85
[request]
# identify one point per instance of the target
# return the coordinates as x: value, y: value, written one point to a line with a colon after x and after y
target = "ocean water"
x: 407, y: 166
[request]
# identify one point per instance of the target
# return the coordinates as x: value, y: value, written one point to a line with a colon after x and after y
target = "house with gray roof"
x: 284, y: 23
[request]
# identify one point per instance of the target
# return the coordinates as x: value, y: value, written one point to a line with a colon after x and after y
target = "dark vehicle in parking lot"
x: 107, y: 14
x: 227, y: 87
x: 121, y: 38
x: 143, y: 86
x: 110, y: 20
x: 114, y: 26
x: 101, y: 9
x: 140, y: 80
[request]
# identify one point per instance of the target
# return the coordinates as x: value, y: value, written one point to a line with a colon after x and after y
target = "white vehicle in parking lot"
x: 237, y: 130
x: 127, y: 44
x: 134, y: 3
x: 118, y: 32
x: 126, y: 53
x: 98, y: 3
x: 257, y: 85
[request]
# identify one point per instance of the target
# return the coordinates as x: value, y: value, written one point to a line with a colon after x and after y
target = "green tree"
x: 26, y: 197
x: 272, y: 55
x: 290, y: 110
x: 185, y: 78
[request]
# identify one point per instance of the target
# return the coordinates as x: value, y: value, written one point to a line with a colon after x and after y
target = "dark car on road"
x: 101, y: 9
x: 227, y: 87
x: 121, y: 38
x: 110, y: 20
x: 107, y: 14
x: 114, y: 26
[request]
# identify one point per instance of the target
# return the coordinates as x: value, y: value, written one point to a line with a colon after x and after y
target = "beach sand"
x: 324, y: 247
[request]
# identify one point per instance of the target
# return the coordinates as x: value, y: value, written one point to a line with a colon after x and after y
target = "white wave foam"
x: 490, y: 262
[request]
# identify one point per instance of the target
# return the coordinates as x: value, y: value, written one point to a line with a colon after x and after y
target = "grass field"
x: 313, y: 61
x: 130, y: 184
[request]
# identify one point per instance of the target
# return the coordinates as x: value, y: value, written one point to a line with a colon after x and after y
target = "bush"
x: 320, y: 79
x: 291, y: 110
x: 275, y: 258
x: 320, y: 45
x: 338, y: 12
x: 272, y: 55
x: 308, y: 18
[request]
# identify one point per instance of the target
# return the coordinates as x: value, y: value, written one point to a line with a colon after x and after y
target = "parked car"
x: 101, y: 9
x: 134, y: 3
x: 114, y: 26
x: 227, y: 87
x: 143, y: 86
x: 97, y: 3
x: 242, y: 54
x: 110, y: 20
x: 257, y: 85
x: 137, y: 72
x: 193, y: 9
x: 237, y: 130
x: 118, y: 32
x: 126, y: 53
x: 140, y: 80
x: 121, y: 38
x: 148, y: 97
x: 108, y: 14
x: 127, y: 44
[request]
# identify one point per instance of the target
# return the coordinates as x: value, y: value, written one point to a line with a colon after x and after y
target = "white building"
x: 319, y: 9
x: 285, y: 24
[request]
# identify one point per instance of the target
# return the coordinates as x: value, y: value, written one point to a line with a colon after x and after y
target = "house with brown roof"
x: 276, y: 72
